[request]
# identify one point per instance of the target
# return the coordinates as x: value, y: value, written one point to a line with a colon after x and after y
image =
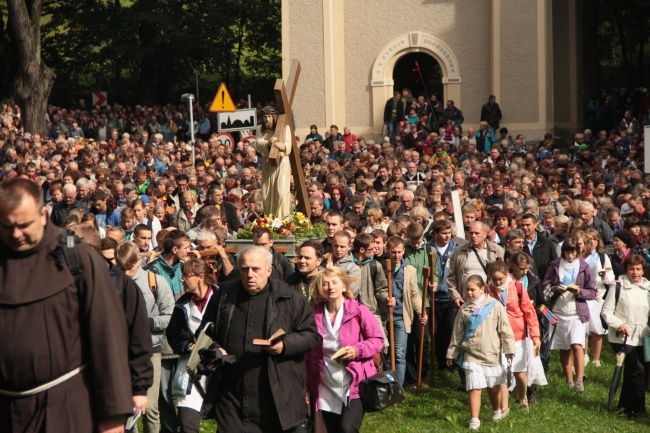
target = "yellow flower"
x: 300, y: 216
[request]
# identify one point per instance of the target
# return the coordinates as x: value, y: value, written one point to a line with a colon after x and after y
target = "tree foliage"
x: 623, y: 34
x: 147, y: 51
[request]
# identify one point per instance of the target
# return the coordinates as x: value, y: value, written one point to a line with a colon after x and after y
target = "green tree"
x: 148, y: 50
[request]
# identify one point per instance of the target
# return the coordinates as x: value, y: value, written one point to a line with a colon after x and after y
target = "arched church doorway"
x: 393, y: 69
x: 425, y: 82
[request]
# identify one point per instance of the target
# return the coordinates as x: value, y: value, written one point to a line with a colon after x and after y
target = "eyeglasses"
x: 187, y: 277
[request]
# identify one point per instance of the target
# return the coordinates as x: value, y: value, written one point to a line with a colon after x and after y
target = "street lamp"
x: 188, y: 98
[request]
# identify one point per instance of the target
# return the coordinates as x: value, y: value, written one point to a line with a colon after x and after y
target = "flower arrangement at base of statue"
x: 296, y: 224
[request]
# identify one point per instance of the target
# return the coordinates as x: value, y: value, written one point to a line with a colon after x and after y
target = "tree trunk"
x: 34, y: 79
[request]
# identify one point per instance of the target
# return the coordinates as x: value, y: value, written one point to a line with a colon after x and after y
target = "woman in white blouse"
x: 351, y: 337
x: 627, y: 319
x: 598, y: 261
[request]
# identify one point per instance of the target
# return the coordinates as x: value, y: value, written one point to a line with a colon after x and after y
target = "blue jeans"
x: 391, y: 127
x: 400, y: 339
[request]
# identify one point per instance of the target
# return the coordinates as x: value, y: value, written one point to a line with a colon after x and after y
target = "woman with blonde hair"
x: 419, y: 214
x: 375, y: 220
x: 594, y: 255
x: 350, y: 331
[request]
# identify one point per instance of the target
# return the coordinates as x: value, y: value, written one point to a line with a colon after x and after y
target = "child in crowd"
x: 519, y: 267
x: 413, y: 117
x: 572, y: 284
x: 128, y: 223
x: 525, y: 327
x: 481, y: 331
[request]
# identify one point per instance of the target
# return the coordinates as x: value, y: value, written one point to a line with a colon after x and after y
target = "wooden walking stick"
x: 432, y: 316
x: 391, y: 328
x: 425, y: 290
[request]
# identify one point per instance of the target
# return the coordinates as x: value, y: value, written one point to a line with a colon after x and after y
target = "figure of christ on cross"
x: 286, y: 148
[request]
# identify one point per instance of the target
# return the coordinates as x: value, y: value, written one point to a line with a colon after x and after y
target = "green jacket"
x: 171, y: 273
x: 419, y: 258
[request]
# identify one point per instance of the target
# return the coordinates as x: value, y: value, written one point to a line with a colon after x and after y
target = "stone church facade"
x: 526, y: 52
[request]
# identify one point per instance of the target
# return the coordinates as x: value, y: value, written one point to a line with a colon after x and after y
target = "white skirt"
x: 479, y: 376
x: 535, y: 371
x: 525, y: 361
x: 595, y: 324
x: 570, y: 330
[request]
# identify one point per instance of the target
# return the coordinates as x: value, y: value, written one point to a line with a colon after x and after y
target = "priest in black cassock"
x: 264, y: 390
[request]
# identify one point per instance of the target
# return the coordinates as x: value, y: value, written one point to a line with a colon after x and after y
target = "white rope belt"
x: 51, y: 384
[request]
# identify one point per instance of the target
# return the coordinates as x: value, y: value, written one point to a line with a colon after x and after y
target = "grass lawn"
x: 444, y: 408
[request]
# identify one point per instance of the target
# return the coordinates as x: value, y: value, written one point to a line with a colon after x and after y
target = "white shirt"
x: 334, y: 388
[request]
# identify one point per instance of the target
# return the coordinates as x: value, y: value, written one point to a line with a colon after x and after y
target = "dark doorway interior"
x: 405, y: 75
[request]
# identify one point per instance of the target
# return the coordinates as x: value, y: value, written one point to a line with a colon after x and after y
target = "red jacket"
x: 521, y: 313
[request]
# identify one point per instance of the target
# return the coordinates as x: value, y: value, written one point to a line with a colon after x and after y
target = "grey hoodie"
x: 353, y: 270
x: 159, y: 306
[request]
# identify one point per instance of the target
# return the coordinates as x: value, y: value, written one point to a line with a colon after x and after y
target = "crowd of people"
x: 531, y: 247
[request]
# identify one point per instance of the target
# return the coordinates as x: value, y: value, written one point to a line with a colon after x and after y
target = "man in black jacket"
x: 62, y: 209
x: 593, y: 222
x: 453, y: 113
x: 309, y: 258
x: 282, y: 267
x: 539, y: 247
x: 491, y: 113
x: 394, y: 113
x: 333, y: 137
x: 215, y: 198
x: 264, y: 390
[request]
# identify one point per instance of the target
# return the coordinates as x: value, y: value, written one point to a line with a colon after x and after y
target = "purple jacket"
x: 585, y: 281
x: 360, y: 330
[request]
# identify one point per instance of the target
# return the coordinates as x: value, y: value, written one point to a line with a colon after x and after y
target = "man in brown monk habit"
x: 63, y: 354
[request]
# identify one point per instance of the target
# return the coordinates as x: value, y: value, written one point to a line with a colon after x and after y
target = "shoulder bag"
x: 380, y: 391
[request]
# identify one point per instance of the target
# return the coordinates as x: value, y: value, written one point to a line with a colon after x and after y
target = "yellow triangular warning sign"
x: 222, y: 102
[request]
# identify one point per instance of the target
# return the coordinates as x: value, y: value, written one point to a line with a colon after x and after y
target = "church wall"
x: 498, y: 45
x: 519, y: 65
x: 305, y: 29
x: 463, y: 25
x: 470, y: 40
x: 561, y: 68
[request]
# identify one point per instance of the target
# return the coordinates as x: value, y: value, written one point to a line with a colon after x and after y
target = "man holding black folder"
x: 264, y: 390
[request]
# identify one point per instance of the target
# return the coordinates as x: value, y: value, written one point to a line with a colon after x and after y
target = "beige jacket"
x: 457, y: 263
x: 411, y: 300
x: 485, y: 345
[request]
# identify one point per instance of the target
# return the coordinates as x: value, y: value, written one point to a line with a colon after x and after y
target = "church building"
x: 355, y: 53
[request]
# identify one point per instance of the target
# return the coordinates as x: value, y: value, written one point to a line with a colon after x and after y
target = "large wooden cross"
x: 283, y: 104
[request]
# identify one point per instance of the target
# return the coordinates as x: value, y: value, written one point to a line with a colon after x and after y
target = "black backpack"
x: 66, y: 252
x: 617, y: 295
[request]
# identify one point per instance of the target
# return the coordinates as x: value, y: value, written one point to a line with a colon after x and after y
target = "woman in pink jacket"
x: 351, y: 337
x: 523, y: 321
